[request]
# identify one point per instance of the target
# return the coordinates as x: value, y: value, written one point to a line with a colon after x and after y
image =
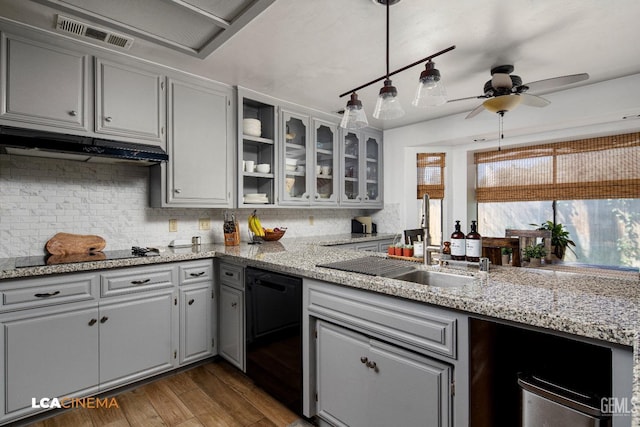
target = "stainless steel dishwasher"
x: 547, y: 404
x: 273, y: 303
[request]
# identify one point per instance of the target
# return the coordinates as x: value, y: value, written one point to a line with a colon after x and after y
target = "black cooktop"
x: 43, y: 260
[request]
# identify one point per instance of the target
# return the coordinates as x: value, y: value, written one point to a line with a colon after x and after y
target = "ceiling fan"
x: 505, y: 91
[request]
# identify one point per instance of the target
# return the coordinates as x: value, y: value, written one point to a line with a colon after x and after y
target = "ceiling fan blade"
x: 475, y: 112
x: 556, y: 82
x: 467, y: 98
x: 534, y: 101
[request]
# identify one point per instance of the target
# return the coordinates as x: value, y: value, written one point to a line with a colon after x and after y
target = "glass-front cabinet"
x: 325, y: 161
x: 257, y: 167
x: 361, y: 168
x: 294, y: 185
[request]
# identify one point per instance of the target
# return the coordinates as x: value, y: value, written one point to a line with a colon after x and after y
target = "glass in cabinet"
x: 351, y: 173
x: 258, y: 150
x: 362, y: 168
x: 373, y: 168
x: 325, y: 162
x: 296, y: 169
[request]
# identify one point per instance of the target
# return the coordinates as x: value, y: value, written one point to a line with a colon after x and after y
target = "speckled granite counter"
x: 585, y: 305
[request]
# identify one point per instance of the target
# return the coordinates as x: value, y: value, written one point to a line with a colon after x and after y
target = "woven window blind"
x: 431, y: 175
x: 595, y: 168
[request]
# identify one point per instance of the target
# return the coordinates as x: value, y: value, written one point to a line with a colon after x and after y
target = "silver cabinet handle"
x: 140, y: 282
x: 48, y: 295
x: 178, y: 190
x: 108, y: 119
x: 73, y: 113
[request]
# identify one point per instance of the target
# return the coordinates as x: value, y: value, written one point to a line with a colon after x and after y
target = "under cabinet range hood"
x: 28, y: 142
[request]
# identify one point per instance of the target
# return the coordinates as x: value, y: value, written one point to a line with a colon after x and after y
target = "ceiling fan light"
x: 388, y: 105
x: 354, y: 116
x: 502, y: 103
x: 430, y: 92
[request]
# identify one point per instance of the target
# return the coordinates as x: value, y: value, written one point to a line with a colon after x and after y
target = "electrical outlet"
x: 311, y: 220
x: 204, y: 224
x: 173, y: 225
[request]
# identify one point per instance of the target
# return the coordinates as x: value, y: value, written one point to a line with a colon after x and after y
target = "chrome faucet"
x: 428, y: 249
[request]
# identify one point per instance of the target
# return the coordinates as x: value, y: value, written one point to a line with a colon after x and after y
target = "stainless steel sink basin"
x: 434, y: 278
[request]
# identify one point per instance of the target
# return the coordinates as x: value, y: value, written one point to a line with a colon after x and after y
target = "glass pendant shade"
x: 431, y: 91
x: 388, y: 105
x: 354, y: 116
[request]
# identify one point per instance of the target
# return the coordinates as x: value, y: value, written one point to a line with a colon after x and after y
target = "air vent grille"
x: 68, y: 25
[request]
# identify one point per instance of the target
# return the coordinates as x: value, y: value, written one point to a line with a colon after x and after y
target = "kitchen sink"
x: 433, y: 278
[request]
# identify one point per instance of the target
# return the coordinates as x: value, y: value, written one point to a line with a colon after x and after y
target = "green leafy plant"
x: 534, y: 251
x: 506, y: 251
x: 560, y: 240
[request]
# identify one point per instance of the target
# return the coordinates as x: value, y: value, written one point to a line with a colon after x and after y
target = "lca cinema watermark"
x: 74, y: 402
x: 617, y: 406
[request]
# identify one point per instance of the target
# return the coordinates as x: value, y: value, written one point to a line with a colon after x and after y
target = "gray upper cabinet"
x: 44, y: 85
x: 294, y: 162
x: 129, y: 102
x: 199, y: 172
x: 325, y: 165
x: 361, y: 180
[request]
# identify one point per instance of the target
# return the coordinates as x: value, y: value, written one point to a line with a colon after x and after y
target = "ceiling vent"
x: 68, y: 25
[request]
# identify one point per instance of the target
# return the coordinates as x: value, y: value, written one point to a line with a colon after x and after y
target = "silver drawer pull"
x: 140, y: 282
x: 50, y: 294
x: 201, y: 273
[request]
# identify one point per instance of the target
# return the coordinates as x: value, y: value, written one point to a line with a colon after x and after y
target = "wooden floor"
x: 213, y: 394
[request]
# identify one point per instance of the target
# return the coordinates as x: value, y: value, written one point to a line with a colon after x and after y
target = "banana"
x: 255, y: 226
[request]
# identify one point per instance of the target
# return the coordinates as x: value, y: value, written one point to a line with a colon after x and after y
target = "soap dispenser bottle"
x: 474, y: 244
x: 457, y: 244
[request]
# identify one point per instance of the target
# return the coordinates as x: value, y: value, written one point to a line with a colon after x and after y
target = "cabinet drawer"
x: 137, y: 280
x: 197, y: 271
x: 48, y: 291
x: 410, y: 324
x: 232, y: 275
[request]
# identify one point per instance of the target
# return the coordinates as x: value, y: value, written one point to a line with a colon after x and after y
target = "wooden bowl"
x: 272, y: 236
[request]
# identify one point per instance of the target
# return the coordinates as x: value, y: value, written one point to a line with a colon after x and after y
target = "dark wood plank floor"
x: 213, y: 394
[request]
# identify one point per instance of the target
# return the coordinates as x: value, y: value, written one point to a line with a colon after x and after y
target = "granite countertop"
x: 587, y: 305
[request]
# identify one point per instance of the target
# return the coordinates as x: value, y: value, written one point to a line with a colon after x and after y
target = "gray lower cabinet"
x: 136, y: 338
x: 366, y: 382
x: 231, y: 330
x: 77, y: 334
x: 232, y: 325
x: 371, y: 246
x: 48, y: 353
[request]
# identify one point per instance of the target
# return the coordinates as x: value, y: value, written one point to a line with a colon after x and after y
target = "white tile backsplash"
x: 40, y: 197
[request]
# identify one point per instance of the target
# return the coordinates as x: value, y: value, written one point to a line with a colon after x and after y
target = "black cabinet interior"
x: 498, y: 353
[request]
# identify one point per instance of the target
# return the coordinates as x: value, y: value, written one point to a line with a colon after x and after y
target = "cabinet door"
x: 407, y: 389
x: 365, y: 382
x: 195, y: 322
x: 296, y: 169
x: 136, y: 338
x: 200, y: 167
x: 49, y: 355
x: 129, y: 102
x: 342, y: 377
x: 231, y: 340
x: 350, y: 193
x: 372, y: 168
x: 43, y: 84
x: 325, y: 163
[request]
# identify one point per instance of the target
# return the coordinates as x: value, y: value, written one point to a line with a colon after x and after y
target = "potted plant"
x: 534, y: 254
x: 506, y: 255
x: 560, y: 240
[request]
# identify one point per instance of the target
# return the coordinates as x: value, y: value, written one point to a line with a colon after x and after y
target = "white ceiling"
x: 310, y: 51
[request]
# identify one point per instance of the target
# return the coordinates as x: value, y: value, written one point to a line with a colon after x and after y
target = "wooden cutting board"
x: 67, y: 244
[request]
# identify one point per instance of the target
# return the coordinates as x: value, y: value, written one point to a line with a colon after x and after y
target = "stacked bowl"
x: 252, y: 127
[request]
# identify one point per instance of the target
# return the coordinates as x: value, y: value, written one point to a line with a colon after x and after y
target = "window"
x: 430, y: 167
x: 591, y: 186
